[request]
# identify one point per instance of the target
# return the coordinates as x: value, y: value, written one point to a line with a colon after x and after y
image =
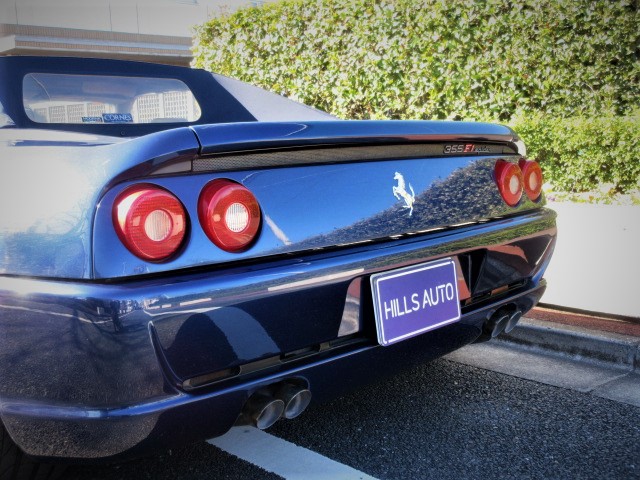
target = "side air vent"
x: 471, y: 264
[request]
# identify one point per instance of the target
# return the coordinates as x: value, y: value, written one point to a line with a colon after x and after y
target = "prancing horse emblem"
x: 400, y: 192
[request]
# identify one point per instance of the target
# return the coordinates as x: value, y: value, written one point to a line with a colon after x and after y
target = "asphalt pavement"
x: 441, y: 420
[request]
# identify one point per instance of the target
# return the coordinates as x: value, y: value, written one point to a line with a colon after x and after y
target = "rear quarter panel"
x: 50, y: 185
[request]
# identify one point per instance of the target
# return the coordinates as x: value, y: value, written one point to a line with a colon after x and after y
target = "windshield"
x: 81, y: 99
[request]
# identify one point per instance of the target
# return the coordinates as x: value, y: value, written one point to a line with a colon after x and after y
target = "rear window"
x: 81, y: 99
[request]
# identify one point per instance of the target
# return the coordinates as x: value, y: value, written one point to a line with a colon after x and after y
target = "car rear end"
x: 260, y: 265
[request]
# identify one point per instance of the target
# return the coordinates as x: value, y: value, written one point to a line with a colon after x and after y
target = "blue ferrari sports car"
x: 181, y: 252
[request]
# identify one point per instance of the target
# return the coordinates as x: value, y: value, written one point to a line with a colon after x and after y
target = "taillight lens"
x: 229, y: 214
x: 532, y: 178
x: 509, y: 179
x: 150, y: 221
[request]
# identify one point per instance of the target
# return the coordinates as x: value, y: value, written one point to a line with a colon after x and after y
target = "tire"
x: 16, y: 465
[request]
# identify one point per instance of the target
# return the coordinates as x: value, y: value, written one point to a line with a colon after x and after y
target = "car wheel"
x: 16, y: 465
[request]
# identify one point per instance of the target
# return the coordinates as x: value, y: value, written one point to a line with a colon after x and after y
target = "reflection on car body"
x: 183, y: 252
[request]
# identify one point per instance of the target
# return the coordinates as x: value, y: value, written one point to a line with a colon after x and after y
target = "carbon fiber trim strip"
x: 324, y: 155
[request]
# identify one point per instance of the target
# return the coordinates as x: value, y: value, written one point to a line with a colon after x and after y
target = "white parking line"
x: 283, y: 458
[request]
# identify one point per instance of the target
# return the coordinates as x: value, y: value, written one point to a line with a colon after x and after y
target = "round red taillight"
x: 229, y: 214
x: 532, y: 178
x: 150, y: 221
x: 509, y: 179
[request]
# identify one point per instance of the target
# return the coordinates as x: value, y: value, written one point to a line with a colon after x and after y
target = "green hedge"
x: 430, y: 59
x: 585, y: 154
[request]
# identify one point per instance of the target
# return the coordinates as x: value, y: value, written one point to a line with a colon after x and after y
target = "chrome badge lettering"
x: 466, y: 148
x: 400, y: 192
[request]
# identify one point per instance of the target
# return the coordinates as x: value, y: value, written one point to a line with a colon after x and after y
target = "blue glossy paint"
x: 347, y: 202
x: 358, y: 192
x: 85, y: 361
x: 46, y: 229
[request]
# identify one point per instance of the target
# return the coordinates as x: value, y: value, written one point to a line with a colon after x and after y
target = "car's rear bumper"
x: 94, y: 370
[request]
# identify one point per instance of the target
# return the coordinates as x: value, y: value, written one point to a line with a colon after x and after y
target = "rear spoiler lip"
x: 256, y: 136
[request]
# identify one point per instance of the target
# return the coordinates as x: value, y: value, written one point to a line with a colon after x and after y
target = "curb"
x: 613, y: 349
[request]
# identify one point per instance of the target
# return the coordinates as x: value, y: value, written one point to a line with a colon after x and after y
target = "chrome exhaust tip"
x: 295, y: 398
x: 502, y: 320
x: 262, y: 411
x: 286, y: 399
x: 497, y: 324
x: 513, y: 321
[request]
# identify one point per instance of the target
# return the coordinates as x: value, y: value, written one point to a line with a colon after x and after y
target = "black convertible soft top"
x: 69, y: 93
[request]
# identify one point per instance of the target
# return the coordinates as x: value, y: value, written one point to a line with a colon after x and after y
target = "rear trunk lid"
x: 326, y: 185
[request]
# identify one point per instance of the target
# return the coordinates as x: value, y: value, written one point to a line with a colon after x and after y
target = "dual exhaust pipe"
x: 503, y: 320
x: 268, y: 405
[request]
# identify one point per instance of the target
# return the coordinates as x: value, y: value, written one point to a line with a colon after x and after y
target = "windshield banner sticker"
x: 117, y: 118
x: 91, y: 119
